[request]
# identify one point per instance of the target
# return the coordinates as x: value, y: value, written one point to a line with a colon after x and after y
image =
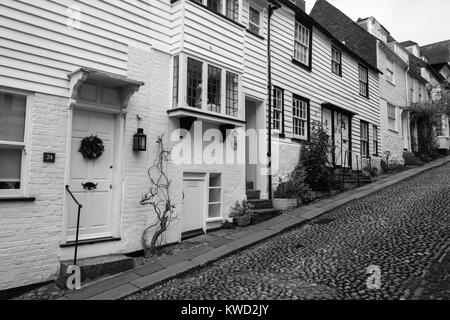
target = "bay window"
x: 13, y: 109
x: 205, y: 86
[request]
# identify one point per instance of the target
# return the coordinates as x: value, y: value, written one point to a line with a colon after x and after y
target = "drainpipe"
x: 408, y: 129
x: 270, y: 10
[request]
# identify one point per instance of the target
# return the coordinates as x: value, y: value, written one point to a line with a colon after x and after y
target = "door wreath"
x: 92, y: 147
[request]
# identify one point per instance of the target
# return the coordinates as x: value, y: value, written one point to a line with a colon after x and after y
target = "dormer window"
x: 215, y: 5
x: 302, y: 45
x: 232, y: 9
x: 390, y: 71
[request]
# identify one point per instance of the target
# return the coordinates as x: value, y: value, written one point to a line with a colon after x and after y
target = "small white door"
x: 96, y: 214
x: 193, y: 204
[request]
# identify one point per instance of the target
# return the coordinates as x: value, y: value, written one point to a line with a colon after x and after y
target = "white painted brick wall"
x: 30, y: 233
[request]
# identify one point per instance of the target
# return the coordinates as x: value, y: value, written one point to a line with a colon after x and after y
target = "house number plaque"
x: 49, y: 157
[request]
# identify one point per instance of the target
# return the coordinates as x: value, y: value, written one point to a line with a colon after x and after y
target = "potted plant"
x: 242, y: 213
x: 292, y: 193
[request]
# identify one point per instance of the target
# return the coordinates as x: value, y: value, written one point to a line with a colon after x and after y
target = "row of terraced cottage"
x: 129, y: 70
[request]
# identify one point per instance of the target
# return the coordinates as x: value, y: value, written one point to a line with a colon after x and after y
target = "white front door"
x: 193, y: 203
x: 96, y: 214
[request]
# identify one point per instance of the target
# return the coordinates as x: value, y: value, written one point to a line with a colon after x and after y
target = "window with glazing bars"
x: 440, y: 126
x: 301, y: 43
x: 300, y: 117
x: 375, y: 140
x: 278, y: 109
x: 194, y: 83
x: 390, y: 72
x: 363, y: 81
x: 254, y: 20
x: 176, y: 80
x: 12, y: 140
x: 392, y: 117
x: 215, y: 5
x: 232, y: 9
x: 214, y: 89
x: 364, y: 139
x: 232, y: 94
x: 336, y: 61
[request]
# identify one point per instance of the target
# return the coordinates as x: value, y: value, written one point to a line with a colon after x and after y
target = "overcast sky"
x: 423, y: 21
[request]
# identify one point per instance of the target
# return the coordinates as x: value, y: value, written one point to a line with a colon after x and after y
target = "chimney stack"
x: 300, y: 3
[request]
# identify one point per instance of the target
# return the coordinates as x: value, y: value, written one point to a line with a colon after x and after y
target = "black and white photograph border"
x: 235, y: 153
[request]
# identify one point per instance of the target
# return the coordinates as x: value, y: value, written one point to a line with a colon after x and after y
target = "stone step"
x: 98, y: 267
x: 261, y: 204
x: 353, y: 184
x: 353, y: 176
x: 253, y: 194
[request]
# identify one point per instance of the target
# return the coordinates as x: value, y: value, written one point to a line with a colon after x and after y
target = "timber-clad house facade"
x: 117, y: 69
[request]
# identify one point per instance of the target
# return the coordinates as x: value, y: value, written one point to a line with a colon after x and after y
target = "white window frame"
x: 251, y: 23
x: 390, y: 71
x: 220, y: 217
x: 363, y: 71
x: 278, y: 110
x: 392, y: 117
x: 375, y: 140
x: 336, y: 62
x: 297, y: 104
x: 22, y: 192
x: 305, y: 44
x: 223, y: 94
x: 366, y: 140
x: 223, y: 10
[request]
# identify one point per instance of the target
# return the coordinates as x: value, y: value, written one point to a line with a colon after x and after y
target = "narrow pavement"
x: 402, y: 230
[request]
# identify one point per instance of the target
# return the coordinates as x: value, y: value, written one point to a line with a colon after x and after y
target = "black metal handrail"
x: 80, y: 206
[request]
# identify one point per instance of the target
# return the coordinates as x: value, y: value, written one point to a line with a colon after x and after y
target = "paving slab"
x: 149, y: 269
x: 116, y: 293
x: 163, y: 275
x: 103, y: 285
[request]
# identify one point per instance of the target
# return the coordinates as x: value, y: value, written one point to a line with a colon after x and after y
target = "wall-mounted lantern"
x: 140, y: 141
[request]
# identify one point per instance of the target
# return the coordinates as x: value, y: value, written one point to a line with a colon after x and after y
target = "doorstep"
x: 224, y: 243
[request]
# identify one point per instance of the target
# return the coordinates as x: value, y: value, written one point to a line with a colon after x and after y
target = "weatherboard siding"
x: 320, y: 85
x: 38, y: 49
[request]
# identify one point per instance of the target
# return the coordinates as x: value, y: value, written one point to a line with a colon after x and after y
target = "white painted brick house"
x: 71, y: 69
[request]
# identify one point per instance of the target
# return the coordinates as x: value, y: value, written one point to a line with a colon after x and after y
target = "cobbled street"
x: 404, y: 230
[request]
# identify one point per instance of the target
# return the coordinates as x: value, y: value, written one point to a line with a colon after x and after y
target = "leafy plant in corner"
x: 319, y: 171
x: 242, y: 213
x: 295, y: 187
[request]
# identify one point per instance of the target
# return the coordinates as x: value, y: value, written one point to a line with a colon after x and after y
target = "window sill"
x: 301, y: 65
x: 367, y: 97
x: 212, y: 220
x: 393, y: 131
x: 299, y: 140
x: 337, y: 74
x: 17, y: 199
x: 255, y: 34
x: 391, y: 83
x: 87, y: 242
